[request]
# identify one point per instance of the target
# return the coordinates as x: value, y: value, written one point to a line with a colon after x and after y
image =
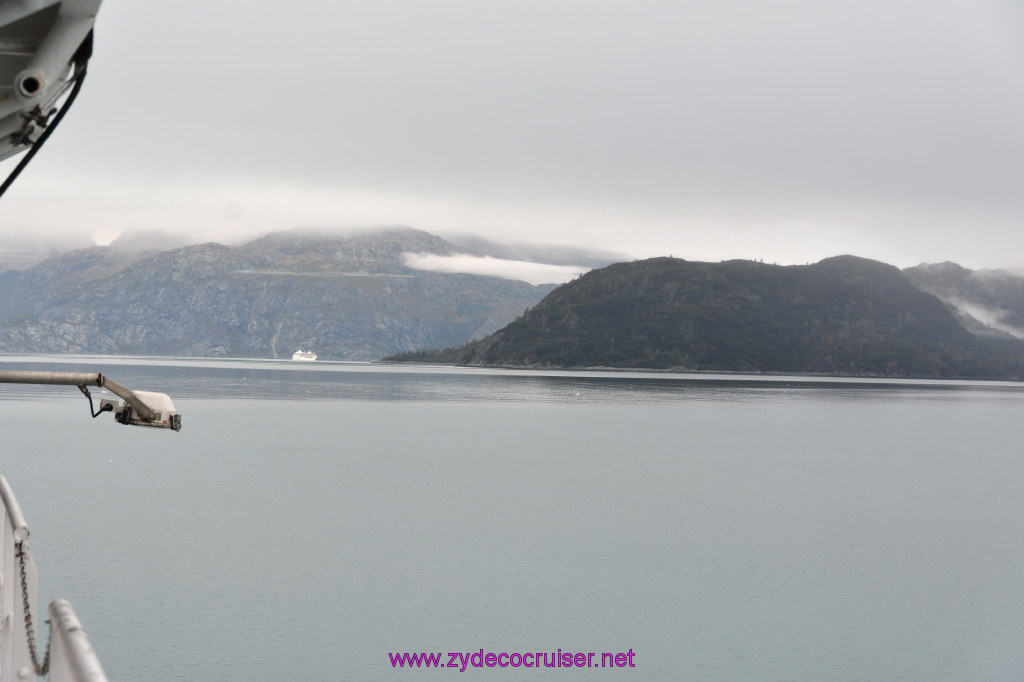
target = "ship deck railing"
x: 71, y: 658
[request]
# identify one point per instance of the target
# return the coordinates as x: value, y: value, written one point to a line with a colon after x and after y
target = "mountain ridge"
x: 842, y: 316
x: 347, y: 297
x: 356, y: 296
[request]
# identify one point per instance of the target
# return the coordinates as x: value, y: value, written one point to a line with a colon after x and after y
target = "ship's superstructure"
x: 44, y: 49
x: 45, y: 46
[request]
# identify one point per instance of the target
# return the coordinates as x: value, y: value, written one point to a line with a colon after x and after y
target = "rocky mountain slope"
x: 345, y: 297
x: 844, y: 315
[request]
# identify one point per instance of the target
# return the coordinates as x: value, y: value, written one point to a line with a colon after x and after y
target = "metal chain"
x: 30, y: 632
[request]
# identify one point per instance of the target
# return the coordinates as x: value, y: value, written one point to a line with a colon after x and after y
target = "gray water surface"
x: 308, y: 520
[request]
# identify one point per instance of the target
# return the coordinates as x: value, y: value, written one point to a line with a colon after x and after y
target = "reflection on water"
x: 190, y: 378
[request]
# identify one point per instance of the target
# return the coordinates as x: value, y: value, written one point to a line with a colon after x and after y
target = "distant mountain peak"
x: 346, y: 297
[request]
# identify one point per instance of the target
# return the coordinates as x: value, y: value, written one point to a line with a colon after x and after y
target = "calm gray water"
x: 310, y: 519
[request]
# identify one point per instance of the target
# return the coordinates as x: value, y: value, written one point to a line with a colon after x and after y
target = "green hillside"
x: 844, y: 315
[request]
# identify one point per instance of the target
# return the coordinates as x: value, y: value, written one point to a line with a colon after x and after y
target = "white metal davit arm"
x: 140, y: 408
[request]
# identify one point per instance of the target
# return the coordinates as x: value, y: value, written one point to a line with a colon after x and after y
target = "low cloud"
x: 992, y: 317
x: 534, y: 273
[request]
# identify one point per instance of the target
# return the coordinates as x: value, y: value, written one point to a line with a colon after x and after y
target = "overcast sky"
x: 788, y: 131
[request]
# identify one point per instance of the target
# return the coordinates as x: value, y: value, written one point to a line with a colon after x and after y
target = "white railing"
x: 71, y: 658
